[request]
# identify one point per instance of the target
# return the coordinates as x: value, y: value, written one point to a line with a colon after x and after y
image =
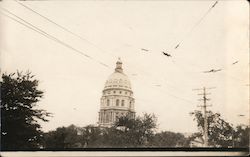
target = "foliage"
x: 219, y: 131
x: 169, y: 139
x: 126, y: 132
x: 241, y: 136
x: 197, y: 138
x: 134, y: 132
x: 74, y: 137
x: 62, y: 137
x: 19, y: 118
x: 91, y: 136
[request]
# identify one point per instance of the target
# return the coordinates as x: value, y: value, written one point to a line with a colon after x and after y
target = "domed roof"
x: 118, y: 79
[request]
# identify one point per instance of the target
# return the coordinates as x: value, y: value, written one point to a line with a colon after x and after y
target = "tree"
x: 91, y: 136
x: 219, y: 131
x: 74, y: 137
x: 129, y: 132
x: 126, y: 132
x: 19, y: 118
x: 62, y: 137
x: 241, y: 136
x: 169, y: 139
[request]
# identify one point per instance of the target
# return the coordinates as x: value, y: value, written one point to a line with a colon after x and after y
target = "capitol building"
x: 117, y: 98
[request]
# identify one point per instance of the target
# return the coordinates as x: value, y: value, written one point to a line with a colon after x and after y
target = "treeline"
x: 125, y: 133
x: 141, y: 132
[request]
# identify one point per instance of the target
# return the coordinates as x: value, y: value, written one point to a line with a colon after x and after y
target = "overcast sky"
x: 162, y: 85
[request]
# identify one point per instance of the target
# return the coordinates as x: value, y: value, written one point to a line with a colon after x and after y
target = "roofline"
x: 112, y: 88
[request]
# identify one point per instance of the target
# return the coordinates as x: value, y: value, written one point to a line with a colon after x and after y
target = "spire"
x: 119, y: 66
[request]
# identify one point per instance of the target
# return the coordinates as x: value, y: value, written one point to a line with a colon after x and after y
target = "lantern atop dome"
x: 119, y: 66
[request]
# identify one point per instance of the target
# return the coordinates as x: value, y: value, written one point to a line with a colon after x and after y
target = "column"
x: 102, y: 116
x: 111, y: 113
x: 110, y: 117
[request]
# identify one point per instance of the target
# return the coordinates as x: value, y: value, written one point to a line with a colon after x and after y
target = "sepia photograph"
x: 124, y: 77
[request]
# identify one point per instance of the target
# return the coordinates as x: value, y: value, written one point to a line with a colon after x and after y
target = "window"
x: 126, y: 92
x: 114, y: 92
x: 117, y: 102
x: 130, y: 103
x: 108, y: 102
x: 122, y: 102
x: 120, y: 92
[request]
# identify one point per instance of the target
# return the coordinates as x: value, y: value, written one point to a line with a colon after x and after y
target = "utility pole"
x: 204, y: 107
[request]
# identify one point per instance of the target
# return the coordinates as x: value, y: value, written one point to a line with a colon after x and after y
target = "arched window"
x: 117, y: 102
x: 108, y: 102
x: 130, y: 104
x: 122, y: 102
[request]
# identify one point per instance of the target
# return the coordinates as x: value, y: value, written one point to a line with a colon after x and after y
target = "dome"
x: 117, y: 98
x: 118, y: 79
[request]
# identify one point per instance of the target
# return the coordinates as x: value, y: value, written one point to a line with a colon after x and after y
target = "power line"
x: 223, y: 72
x: 36, y: 29
x: 169, y: 85
x: 60, y: 26
x: 176, y: 97
x: 197, y: 23
x: 67, y: 30
x: 63, y: 28
x: 40, y: 31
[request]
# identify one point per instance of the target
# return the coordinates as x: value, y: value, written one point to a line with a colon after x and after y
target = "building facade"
x: 117, y: 98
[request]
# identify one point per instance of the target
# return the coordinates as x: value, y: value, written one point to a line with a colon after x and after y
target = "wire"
x: 180, y: 98
x: 60, y: 26
x: 40, y: 31
x: 196, y: 24
x: 63, y: 28
x: 36, y: 29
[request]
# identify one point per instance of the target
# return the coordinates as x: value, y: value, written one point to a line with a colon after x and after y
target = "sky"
x: 105, y: 30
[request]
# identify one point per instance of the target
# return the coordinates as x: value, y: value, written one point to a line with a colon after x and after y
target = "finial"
x: 119, y: 65
x: 119, y: 59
